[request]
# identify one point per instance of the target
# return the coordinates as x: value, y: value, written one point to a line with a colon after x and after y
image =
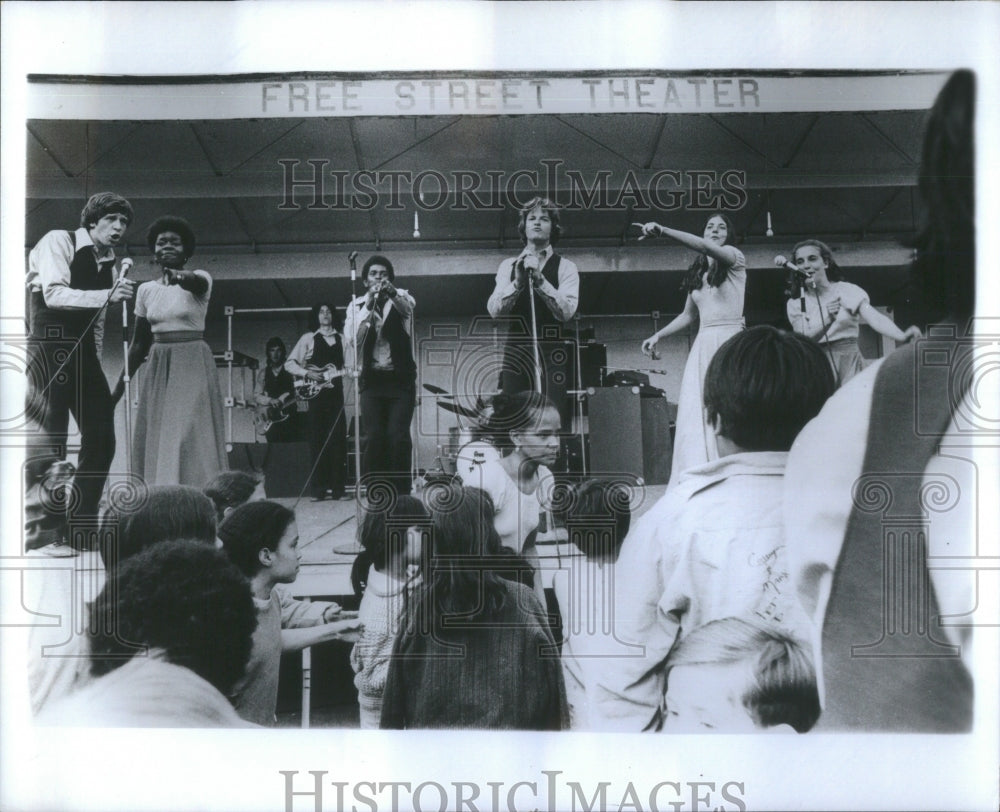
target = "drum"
x: 471, y: 456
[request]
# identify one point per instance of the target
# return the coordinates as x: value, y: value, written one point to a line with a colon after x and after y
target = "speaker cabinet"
x: 630, y: 434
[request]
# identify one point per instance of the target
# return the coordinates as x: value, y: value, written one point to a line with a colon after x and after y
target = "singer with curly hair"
x: 378, y: 330
x: 71, y: 280
x: 179, y: 428
x: 554, y: 281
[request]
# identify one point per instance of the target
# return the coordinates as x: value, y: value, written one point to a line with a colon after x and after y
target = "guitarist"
x: 274, y: 393
x: 316, y: 356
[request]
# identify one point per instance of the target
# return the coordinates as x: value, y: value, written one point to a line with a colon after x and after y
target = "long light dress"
x: 720, y: 316
x: 179, y: 432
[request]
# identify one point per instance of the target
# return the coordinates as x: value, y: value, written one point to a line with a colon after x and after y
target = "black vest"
x: 277, y: 385
x: 324, y: 354
x: 400, y: 353
x: 522, y: 307
x: 85, y: 274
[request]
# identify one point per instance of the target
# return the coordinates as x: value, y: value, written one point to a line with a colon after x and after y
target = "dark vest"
x: 277, y: 385
x: 324, y: 354
x: 886, y: 665
x: 522, y: 307
x: 85, y: 274
x: 393, y: 331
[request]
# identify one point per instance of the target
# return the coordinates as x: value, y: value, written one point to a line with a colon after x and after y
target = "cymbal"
x: 457, y: 408
x: 437, y: 390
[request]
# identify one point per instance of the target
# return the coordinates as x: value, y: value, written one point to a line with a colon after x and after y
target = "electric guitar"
x: 266, y: 416
x: 307, y: 389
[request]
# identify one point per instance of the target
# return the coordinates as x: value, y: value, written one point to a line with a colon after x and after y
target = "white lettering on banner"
x: 157, y: 99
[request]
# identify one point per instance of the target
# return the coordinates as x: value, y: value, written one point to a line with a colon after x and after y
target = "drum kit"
x: 469, y: 444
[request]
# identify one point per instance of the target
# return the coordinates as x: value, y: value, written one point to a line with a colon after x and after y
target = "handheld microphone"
x: 781, y: 261
x: 124, y: 267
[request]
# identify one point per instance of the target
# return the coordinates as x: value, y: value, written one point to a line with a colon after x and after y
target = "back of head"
x: 598, y: 517
x: 230, y: 489
x: 464, y: 552
x: 763, y: 385
x: 946, y: 245
x: 168, y: 513
x: 182, y: 598
x: 781, y: 687
x: 251, y: 528
x: 383, y: 532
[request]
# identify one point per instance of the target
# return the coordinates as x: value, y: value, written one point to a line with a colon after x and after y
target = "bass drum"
x: 471, y: 457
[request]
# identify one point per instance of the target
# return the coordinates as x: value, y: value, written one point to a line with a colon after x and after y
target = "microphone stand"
x: 534, y: 336
x: 126, y: 378
x: 353, y: 259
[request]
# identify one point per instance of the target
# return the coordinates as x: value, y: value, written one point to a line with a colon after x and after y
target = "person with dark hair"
x: 274, y: 394
x: 379, y: 329
x: 738, y: 675
x: 824, y: 307
x: 318, y: 357
x: 553, y: 280
x: 597, y: 520
x: 164, y: 513
x: 475, y: 650
x: 862, y: 527
x: 262, y: 540
x: 178, y: 435
x: 170, y: 634
x: 167, y: 512
x: 71, y: 280
x: 715, y: 285
x: 714, y: 545
x: 230, y: 489
x: 392, y: 543
x: 520, y: 483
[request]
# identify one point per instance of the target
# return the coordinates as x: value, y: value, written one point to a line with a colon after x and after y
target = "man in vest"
x: 378, y: 327
x: 274, y: 394
x: 555, y: 283
x: 71, y: 281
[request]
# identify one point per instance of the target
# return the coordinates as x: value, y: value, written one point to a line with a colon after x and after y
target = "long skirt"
x: 694, y: 439
x: 179, y: 432
x: 846, y: 358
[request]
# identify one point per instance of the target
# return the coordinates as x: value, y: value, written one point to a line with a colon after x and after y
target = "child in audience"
x: 262, y: 539
x: 170, y: 635
x: 230, y: 489
x: 389, y: 568
x: 597, y: 521
x: 57, y: 654
x: 714, y: 545
x: 737, y: 675
x: 475, y: 650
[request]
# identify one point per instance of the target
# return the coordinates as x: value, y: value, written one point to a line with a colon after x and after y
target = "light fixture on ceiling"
x: 416, y: 225
x: 770, y: 231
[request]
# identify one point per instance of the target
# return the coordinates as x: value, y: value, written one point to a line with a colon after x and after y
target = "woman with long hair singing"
x: 715, y: 284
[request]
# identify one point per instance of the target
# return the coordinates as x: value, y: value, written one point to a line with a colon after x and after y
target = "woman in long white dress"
x: 178, y: 432
x: 715, y: 284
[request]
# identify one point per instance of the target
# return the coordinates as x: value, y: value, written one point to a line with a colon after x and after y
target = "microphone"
x: 125, y: 267
x: 781, y: 261
x: 352, y: 257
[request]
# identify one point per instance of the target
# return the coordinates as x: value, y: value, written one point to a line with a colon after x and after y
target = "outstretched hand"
x: 648, y: 229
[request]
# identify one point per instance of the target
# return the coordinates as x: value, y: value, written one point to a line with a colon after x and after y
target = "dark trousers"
x: 78, y: 388
x: 386, y: 413
x: 328, y: 441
